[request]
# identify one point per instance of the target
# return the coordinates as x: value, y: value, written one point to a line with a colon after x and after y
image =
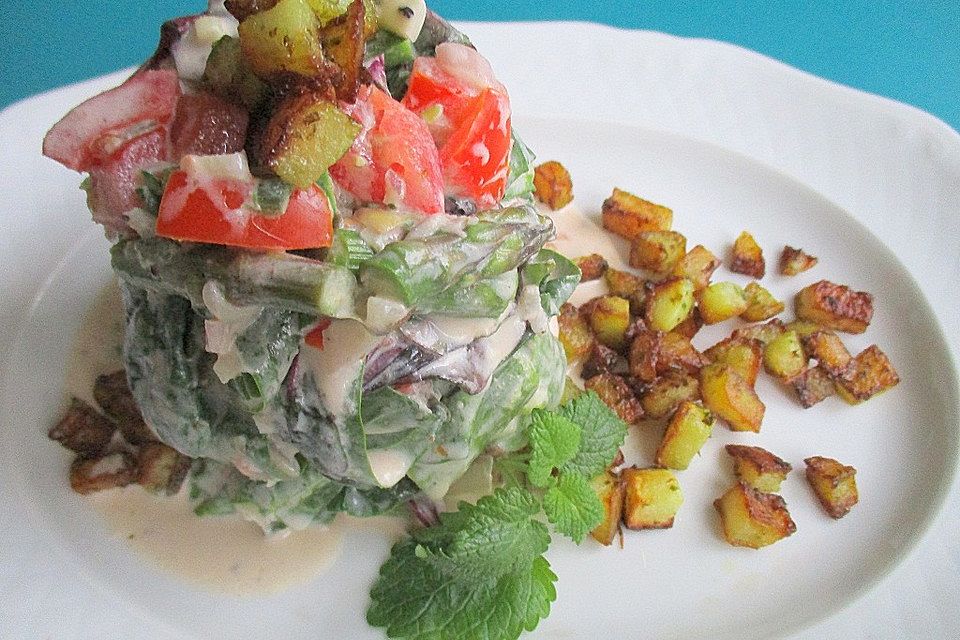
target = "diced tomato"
x: 212, y: 210
x: 315, y: 337
x: 207, y: 125
x: 394, y: 159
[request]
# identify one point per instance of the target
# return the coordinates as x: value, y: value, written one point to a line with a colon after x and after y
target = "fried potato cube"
x: 697, y: 266
x: 626, y: 285
x: 88, y: 475
x: 610, y: 490
x: 658, y: 252
x: 829, y: 351
x: 758, y: 467
x: 112, y: 393
x: 761, y: 305
x: 835, y: 485
x: 721, y: 301
x: 677, y: 352
x: 592, y: 267
x: 652, y: 498
x: 575, y: 334
x: 688, y: 430
x: 644, y: 353
x: 283, y: 38
x: 747, y: 256
x: 753, y: 519
x: 668, y: 392
x: 552, y: 184
x: 668, y: 304
x: 729, y: 396
x: 690, y: 325
x: 83, y: 429
x: 803, y: 328
x: 603, y: 359
x: 835, y: 306
x: 762, y: 332
x: 870, y: 373
x: 812, y: 385
x: 570, y: 390
x: 628, y: 215
x: 610, y: 319
x: 784, y: 357
x: 794, y: 261
x: 343, y: 40
x: 616, y: 394
x: 743, y: 356
x: 162, y: 469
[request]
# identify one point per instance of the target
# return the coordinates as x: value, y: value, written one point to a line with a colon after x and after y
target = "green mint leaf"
x: 554, y: 440
x: 602, y: 433
x: 573, y: 507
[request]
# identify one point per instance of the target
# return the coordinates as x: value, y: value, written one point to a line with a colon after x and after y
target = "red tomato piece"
x: 315, y: 337
x: 212, y: 210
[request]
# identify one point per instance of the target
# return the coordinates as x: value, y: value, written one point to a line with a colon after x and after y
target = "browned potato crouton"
x: 687, y: 431
x: 658, y: 252
x: 803, y: 328
x: 870, y: 373
x: 652, y: 498
x: 812, y: 385
x: 829, y: 351
x: 721, y: 301
x: 677, y: 352
x: 728, y: 395
x: 610, y: 490
x: 88, y: 475
x: 627, y: 215
x: 592, y: 267
x: 162, y: 469
x: 758, y: 467
x: 668, y: 304
x: 794, y: 261
x: 691, y: 325
x: 83, y: 429
x: 762, y: 332
x: 835, y: 306
x: 743, y: 356
x: 113, y: 395
x: 574, y: 334
x: 697, y: 266
x: 669, y: 391
x: 761, y: 305
x: 616, y: 394
x: 610, y: 319
x: 552, y: 184
x: 644, y: 352
x: 626, y: 285
x: 747, y: 256
x: 753, y: 519
x: 784, y: 357
x: 604, y: 360
x: 835, y: 485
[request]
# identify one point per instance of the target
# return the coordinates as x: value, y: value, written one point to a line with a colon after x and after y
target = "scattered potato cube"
x: 677, y: 352
x: 691, y: 325
x: 687, y: 431
x: 592, y: 267
x: 83, y: 429
x: 668, y: 304
x: 603, y: 359
x: 610, y: 490
x: 88, y: 475
x: 627, y: 215
x: 761, y: 305
x: 803, y: 328
x: 721, y: 301
x: 113, y: 394
x: 812, y: 385
x: 835, y: 306
x: 658, y: 252
x: 570, y: 390
x: 610, y: 319
x: 552, y: 184
x: 747, y: 256
x: 870, y: 373
x: 644, y: 352
x: 575, y: 334
x: 697, y: 266
x: 753, y: 519
x: 626, y: 285
x: 616, y: 394
x: 758, y: 467
x: 835, y: 485
x: 728, y: 395
x: 652, y: 498
x: 762, y: 332
x: 743, y: 356
x: 794, y: 261
x: 829, y: 351
x: 668, y: 392
x: 784, y: 357
x: 162, y: 469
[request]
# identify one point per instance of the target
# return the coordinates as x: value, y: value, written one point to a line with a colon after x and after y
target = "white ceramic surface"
x: 730, y: 140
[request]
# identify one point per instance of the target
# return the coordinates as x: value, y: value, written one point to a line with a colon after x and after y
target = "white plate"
x: 714, y: 131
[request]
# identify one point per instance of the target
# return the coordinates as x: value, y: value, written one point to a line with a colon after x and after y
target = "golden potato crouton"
x: 88, y: 475
x: 610, y: 319
x: 626, y: 285
x: 688, y: 429
x: 812, y: 385
x: 113, y: 394
x: 162, y: 469
x: 835, y: 306
x: 603, y: 359
x: 761, y: 305
x: 83, y: 429
x: 668, y: 304
x: 677, y: 352
x: 803, y: 328
x: 721, y: 301
x: 747, y: 256
x: 794, y: 261
x: 644, y: 352
x: 610, y: 490
x: 627, y: 215
x: 728, y: 395
x: 753, y: 519
x: 552, y: 184
x: 870, y: 373
x: 669, y: 391
x: 784, y: 357
x: 657, y: 252
x: 652, y: 498
x: 697, y: 266
x: 835, y: 485
x: 758, y: 467
x: 762, y: 332
x: 690, y: 325
x: 574, y: 334
x: 829, y: 351
x: 592, y: 267
x: 743, y: 356
x: 616, y: 394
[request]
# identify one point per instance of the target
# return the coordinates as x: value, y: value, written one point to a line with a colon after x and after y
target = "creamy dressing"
x: 337, y: 365
x: 389, y: 465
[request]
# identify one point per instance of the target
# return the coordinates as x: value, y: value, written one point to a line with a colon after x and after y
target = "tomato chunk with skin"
x: 213, y: 210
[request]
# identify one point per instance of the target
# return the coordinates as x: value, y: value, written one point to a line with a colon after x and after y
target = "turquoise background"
x: 907, y: 50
